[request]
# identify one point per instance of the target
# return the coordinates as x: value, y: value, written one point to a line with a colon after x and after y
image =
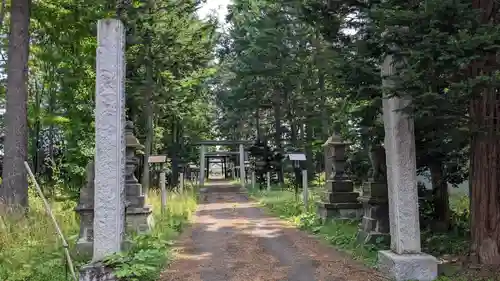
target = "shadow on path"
x: 232, y: 239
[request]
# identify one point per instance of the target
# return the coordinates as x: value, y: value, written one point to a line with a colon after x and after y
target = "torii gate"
x: 220, y: 154
x: 241, y: 153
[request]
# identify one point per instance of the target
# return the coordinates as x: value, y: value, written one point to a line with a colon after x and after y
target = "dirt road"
x: 233, y: 240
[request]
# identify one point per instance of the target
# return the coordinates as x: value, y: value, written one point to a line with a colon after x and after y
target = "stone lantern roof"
x: 335, y: 139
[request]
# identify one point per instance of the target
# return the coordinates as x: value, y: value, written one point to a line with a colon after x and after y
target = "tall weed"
x: 30, y: 248
x: 149, y: 253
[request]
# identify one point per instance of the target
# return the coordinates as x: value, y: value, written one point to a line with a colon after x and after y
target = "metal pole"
x: 58, y: 229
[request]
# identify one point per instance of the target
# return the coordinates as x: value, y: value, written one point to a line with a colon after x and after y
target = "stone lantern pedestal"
x: 328, y: 153
x: 339, y: 201
x: 138, y: 215
x: 374, y: 227
x: 85, y: 210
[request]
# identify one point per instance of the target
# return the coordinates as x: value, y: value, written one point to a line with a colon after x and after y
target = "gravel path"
x: 233, y: 240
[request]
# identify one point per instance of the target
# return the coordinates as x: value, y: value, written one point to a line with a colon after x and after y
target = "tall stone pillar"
x: 202, y: 165
x: 109, y: 183
x: 109, y: 193
x: 138, y: 215
x: 340, y: 200
x: 404, y: 261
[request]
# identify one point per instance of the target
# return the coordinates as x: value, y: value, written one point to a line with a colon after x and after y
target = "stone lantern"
x: 339, y: 200
x: 375, y: 224
x: 138, y: 215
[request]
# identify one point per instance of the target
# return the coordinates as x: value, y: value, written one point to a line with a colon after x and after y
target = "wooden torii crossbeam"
x: 222, y: 142
x: 220, y: 153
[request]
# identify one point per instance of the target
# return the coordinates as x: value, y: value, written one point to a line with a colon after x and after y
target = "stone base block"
x: 341, y: 197
x: 84, y: 248
x: 421, y: 267
x: 96, y: 272
x: 329, y: 211
x: 373, y: 237
x: 136, y: 201
x: 139, y: 220
x: 133, y: 188
x: 375, y: 189
x: 339, y: 185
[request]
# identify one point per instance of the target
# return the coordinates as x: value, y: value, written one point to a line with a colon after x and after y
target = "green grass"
x: 31, y: 250
x: 150, y: 253
x: 29, y: 246
x: 340, y: 234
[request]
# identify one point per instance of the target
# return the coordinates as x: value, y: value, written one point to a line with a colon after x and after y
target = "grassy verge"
x: 450, y: 245
x: 150, y: 253
x: 29, y: 246
x: 31, y: 250
x: 342, y: 234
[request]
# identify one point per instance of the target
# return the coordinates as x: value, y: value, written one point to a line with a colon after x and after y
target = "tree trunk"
x: 325, y: 125
x: 484, y: 181
x: 148, y: 99
x: 50, y: 156
x: 440, y: 197
x: 15, y: 182
x: 174, y: 151
x: 309, y: 149
x: 257, y: 122
x: 36, y: 151
x: 278, y: 132
x: 147, y: 146
x: 295, y: 143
